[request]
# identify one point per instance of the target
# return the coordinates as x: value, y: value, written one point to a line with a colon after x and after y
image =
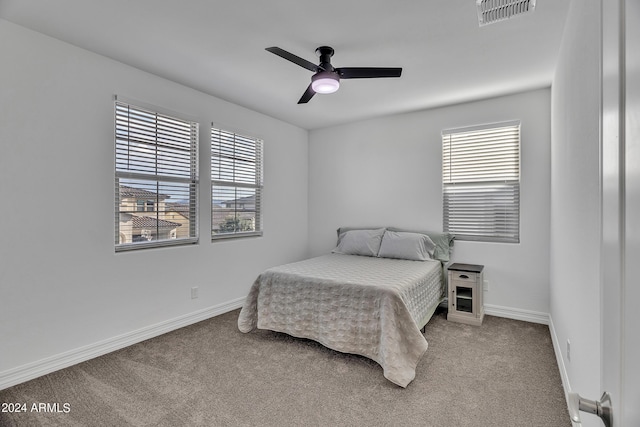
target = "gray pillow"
x: 360, y: 242
x: 444, y: 241
x: 406, y: 245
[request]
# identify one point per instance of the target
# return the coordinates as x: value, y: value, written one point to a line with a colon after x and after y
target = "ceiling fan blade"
x: 367, y: 72
x: 295, y: 59
x: 308, y: 94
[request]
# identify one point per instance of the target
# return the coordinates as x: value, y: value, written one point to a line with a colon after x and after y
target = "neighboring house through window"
x: 236, y: 184
x: 481, y: 182
x: 156, y: 178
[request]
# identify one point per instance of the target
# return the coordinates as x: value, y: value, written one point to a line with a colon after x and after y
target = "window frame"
x: 242, y: 178
x: 181, y: 177
x: 481, y: 185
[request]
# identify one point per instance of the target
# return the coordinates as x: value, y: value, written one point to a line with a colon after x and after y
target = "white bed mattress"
x: 369, y: 306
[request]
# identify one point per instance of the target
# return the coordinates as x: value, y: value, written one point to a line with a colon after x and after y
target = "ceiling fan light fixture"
x: 325, y: 82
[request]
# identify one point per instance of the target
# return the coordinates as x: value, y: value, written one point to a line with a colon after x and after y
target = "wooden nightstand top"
x: 473, y: 268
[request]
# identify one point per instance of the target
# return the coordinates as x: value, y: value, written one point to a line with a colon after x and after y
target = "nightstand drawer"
x: 464, y: 276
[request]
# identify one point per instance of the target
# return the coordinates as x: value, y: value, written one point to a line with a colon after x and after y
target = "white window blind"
x: 156, y: 185
x: 236, y: 184
x: 481, y: 182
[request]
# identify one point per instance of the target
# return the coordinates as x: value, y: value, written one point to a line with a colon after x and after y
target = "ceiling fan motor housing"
x: 324, y: 53
x: 327, y: 79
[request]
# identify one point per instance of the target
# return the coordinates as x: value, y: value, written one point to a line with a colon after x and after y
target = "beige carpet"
x: 503, y: 373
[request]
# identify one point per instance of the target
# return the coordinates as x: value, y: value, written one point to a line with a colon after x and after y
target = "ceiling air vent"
x: 491, y: 11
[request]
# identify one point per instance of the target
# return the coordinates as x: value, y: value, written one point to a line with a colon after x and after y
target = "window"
x: 236, y: 184
x: 156, y: 185
x: 481, y: 182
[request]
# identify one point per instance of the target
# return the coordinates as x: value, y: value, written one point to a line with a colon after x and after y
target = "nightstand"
x: 465, y: 293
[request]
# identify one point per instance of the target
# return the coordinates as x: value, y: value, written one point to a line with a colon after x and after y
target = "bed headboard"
x: 443, y: 241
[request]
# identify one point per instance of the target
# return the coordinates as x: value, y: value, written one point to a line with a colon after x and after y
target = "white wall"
x: 387, y: 171
x: 62, y: 286
x: 575, y: 199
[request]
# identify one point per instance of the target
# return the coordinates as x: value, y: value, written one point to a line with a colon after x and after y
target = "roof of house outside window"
x: 126, y: 191
x: 149, y: 222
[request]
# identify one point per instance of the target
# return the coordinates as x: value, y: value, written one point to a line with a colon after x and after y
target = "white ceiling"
x: 217, y: 47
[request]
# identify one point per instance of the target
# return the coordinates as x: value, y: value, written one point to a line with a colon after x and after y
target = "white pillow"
x: 360, y: 242
x: 405, y: 245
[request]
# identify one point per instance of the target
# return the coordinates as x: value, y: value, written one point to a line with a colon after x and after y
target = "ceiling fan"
x: 327, y: 78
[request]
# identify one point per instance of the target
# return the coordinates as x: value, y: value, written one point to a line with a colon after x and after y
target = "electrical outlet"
x: 568, y: 350
x: 485, y: 285
x: 194, y: 292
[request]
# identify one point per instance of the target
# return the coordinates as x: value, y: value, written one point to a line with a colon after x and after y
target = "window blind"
x: 236, y: 184
x: 156, y: 185
x: 481, y: 182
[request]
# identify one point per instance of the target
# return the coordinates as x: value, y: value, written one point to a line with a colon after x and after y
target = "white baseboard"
x: 45, y: 366
x: 517, y: 314
x: 564, y: 376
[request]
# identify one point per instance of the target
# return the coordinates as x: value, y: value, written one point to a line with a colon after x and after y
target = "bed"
x: 369, y: 296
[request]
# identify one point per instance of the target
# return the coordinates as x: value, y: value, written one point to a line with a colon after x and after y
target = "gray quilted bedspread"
x: 369, y: 306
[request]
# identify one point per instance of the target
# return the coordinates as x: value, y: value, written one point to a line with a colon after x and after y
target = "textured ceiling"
x: 217, y: 47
